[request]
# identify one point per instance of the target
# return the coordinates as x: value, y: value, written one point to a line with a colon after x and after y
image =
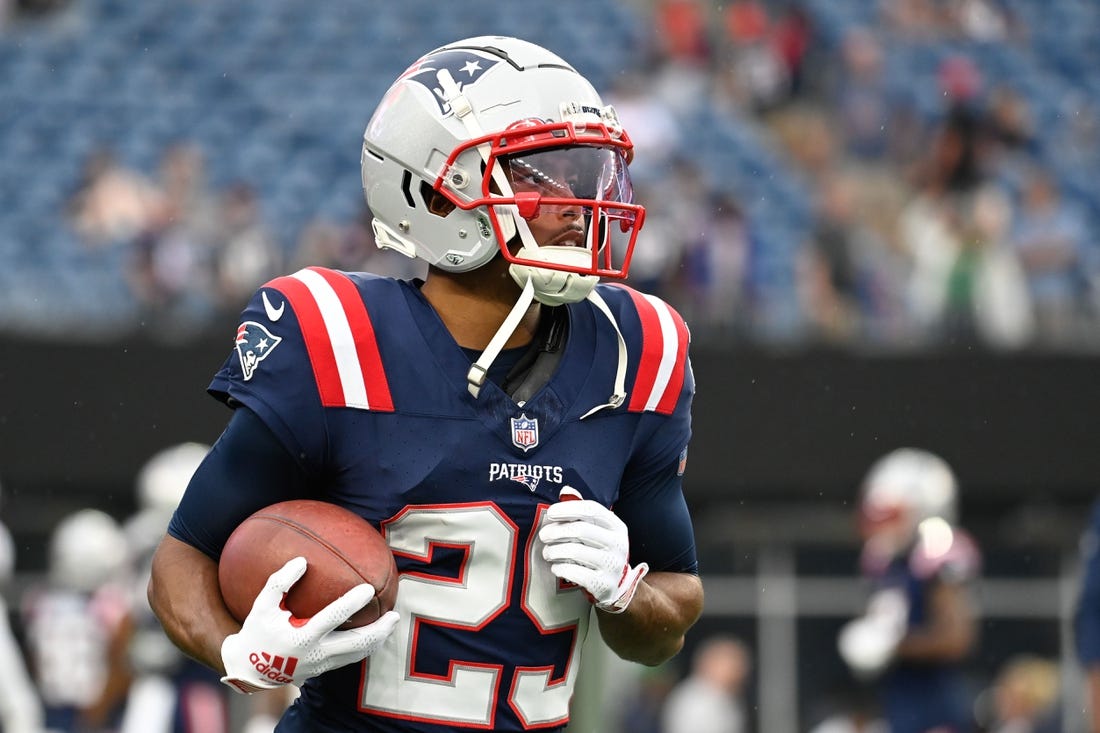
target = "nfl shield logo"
x: 525, y: 432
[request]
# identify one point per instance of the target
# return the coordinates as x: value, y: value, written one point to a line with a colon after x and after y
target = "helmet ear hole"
x: 436, y: 202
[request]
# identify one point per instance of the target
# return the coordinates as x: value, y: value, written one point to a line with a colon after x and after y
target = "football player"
x: 20, y: 708
x: 516, y: 430
x: 80, y: 623
x: 171, y: 692
x: 920, y: 623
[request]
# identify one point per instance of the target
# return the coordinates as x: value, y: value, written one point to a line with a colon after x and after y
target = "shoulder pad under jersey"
x: 945, y: 552
x: 657, y: 341
x: 335, y: 330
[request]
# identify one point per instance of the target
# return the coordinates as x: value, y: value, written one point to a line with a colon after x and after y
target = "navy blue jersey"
x: 360, y: 381
x: 1086, y: 622
x: 921, y: 696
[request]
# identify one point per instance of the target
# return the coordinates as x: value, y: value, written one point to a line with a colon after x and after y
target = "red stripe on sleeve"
x: 676, y: 380
x: 317, y: 339
x: 366, y: 345
x: 652, y: 348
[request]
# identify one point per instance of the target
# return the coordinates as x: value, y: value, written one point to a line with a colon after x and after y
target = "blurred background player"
x: 79, y: 625
x: 919, y: 624
x: 171, y: 693
x: 20, y: 708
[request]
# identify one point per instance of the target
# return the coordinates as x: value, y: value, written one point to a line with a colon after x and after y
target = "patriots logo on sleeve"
x: 465, y: 67
x: 254, y: 344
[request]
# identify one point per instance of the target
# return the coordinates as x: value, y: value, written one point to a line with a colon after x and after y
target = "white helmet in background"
x: 164, y: 477
x: 87, y: 549
x: 160, y: 485
x: 470, y: 119
x: 901, y: 490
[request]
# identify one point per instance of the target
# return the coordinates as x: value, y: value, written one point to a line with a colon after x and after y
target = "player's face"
x: 573, y: 173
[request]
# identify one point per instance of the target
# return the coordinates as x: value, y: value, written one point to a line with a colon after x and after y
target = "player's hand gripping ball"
x: 313, y: 586
x: 342, y: 550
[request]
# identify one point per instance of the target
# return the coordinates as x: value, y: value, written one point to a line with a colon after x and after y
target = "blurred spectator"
x: 791, y: 40
x: 650, y: 122
x: 34, y: 8
x: 920, y: 623
x: 715, y: 268
x: 1024, y: 697
x: 169, y: 271
x: 999, y: 304
x: 681, y: 67
x: 79, y: 625
x: 246, y: 255
x: 20, y: 709
x: 746, y: 22
x: 681, y: 27
x: 752, y: 69
x: 912, y: 19
x: 1049, y: 236
x: 863, y: 102
x: 929, y: 236
x: 956, y: 160
x: 833, y: 284
x: 324, y: 243
x: 659, y: 249
x: 113, y: 203
x: 187, y: 200
x: 1012, y: 142
x: 979, y: 20
x: 711, y: 698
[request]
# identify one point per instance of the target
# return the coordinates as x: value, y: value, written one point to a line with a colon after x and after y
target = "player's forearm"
x: 652, y: 628
x: 949, y: 633
x: 184, y: 595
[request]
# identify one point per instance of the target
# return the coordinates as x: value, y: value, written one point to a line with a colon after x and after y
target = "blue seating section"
x: 1050, y: 57
x: 276, y: 93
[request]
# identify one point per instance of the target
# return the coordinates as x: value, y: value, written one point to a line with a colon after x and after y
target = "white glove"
x: 271, y: 650
x: 586, y: 544
x: 867, y: 644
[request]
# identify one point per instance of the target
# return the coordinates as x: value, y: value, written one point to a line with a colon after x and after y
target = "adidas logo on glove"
x: 277, y: 669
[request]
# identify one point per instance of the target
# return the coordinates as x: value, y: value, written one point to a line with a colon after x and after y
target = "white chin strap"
x: 479, y: 370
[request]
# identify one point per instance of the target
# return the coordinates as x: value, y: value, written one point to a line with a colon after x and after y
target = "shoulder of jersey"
x: 948, y: 553
x: 340, y: 337
x: 657, y: 341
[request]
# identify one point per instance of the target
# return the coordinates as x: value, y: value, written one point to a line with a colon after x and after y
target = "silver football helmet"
x: 87, y: 549
x: 902, y: 490
x: 164, y: 477
x: 474, y: 140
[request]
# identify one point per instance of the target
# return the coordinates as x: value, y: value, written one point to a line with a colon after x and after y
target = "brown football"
x: 341, y: 548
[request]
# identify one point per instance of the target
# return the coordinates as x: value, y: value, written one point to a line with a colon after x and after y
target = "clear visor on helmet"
x: 538, y: 176
x: 597, y: 174
x: 581, y: 189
